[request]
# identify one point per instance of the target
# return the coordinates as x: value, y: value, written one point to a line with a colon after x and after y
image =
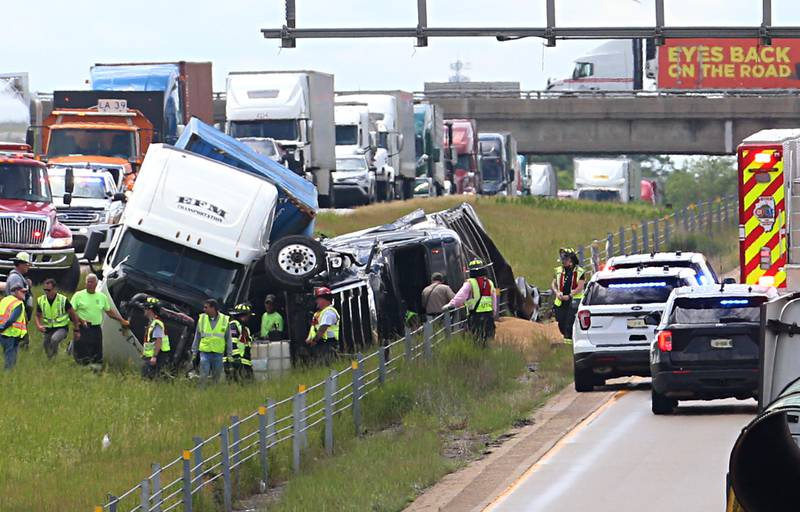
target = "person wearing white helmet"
x: 17, y: 279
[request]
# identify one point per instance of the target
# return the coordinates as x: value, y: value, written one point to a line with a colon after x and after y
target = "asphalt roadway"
x: 623, y: 458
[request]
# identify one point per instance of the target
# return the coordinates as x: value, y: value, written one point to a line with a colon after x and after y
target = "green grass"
x: 528, y: 230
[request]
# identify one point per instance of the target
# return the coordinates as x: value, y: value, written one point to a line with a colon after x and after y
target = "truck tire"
x: 660, y: 404
x: 293, y: 260
x: 68, y: 279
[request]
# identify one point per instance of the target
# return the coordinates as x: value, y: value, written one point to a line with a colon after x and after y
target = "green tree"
x: 701, y: 179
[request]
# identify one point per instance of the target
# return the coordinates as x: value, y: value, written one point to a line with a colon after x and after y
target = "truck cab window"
x: 583, y: 70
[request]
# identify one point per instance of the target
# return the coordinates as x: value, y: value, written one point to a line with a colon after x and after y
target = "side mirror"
x: 93, y: 245
x: 400, y: 141
x: 29, y: 137
x: 67, y: 199
x: 119, y: 196
x: 69, y: 180
x: 653, y: 318
x: 729, y: 280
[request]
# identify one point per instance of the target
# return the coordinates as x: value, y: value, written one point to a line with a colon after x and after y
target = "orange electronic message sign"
x: 728, y: 64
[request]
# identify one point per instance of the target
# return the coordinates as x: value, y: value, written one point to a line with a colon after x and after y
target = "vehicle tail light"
x: 665, y: 341
x: 585, y: 319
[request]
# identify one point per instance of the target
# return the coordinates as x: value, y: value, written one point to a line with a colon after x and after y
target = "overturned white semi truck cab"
x: 193, y: 229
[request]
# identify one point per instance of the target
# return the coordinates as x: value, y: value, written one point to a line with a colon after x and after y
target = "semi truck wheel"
x: 68, y: 279
x: 292, y: 260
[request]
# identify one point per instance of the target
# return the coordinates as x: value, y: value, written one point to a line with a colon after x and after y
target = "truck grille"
x: 78, y: 216
x: 18, y: 230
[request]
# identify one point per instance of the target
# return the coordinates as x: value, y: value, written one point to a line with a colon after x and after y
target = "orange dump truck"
x: 108, y: 136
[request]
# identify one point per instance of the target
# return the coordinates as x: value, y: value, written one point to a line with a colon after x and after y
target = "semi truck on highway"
x: 498, y: 162
x: 28, y: 220
x: 542, y: 180
x: 294, y: 108
x: 179, y: 91
x: 462, y: 143
x: 393, y: 113
x: 429, y: 134
x: 684, y: 64
x: 607, y: 179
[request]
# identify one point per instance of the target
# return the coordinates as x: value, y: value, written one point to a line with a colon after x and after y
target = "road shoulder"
x: 477, y: 485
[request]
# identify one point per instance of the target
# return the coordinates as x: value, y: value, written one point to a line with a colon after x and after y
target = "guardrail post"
x: 187, y: 481
x: 622, y: 240
x: 710, y: 217
x: 656, y: 234
x: 381, y: 366
x: 113, y: 501
x: 645, y: 237
x: 235, y: 444
x: 609, y: 246
x: 198, y: 456
x: 262, y: 445
x: 685, y: 216
x: 666, y: 231
x: 448, y: 324
x: 719, y: 212
x: 580, y: 255
x: 700, y: 217
x: 145, y: 495
x: 357, y: 372
x: 303, y: 414
x: 227, y: 492
x: 330, y: 388
x: 296, y: 436
x: 427, y: 335
x: 155, y: 487
x: 407, y: 343
x: 271, y: 412
x: 634, y: 239
x: 594, y: 257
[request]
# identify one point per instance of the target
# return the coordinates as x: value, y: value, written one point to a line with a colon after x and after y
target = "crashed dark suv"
x: 707, y: 345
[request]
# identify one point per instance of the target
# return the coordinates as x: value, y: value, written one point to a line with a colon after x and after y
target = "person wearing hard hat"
x: 271, y: 321
x: 18, y: 278
x: 212, y: 340
x: 156, y: 350
x: 13, y: 324
x: 324, y: 331
x: 567, y: 288
x: 241, y: 341
x: 479, y: 295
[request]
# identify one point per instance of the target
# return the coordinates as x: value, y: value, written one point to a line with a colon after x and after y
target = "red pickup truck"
x: 28, y: 219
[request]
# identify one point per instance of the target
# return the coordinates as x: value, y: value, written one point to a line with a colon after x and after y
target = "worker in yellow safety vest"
x: 53, y: 314
x: 240, y: 362
x: 479, y: 295
x: 567, y: 288
x: 323, y: 335
x: 156, y: 350
x: 271, y: 321
x: 13, y: 324
x: 212, y: 340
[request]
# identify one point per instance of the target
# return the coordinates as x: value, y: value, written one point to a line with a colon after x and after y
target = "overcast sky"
x: 56, y: 41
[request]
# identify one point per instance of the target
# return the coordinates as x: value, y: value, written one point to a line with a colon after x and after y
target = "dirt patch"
x: 531, y: 339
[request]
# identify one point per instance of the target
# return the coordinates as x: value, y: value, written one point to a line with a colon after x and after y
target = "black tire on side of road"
x: 661, y: 404
x: 584, y: 380
x: 68, y: 279
x: 293, y: 260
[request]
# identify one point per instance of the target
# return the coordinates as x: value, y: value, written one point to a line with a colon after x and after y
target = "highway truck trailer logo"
x: 762, y: 214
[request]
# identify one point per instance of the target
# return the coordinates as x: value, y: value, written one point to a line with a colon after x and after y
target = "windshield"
x: 491, y: 170
x: 715, y: 310
x: 350, y: 164
x: 640, y: 290
x: 278, y: 129
x: 599, y: 195
x: 346, y: 135
x: 77, y: 141
x: 24, y: 182
x: 176, y: 265
x: 383, y: 140
x: 464, y: 162
x: 261, y: 146
x: 87, y: 187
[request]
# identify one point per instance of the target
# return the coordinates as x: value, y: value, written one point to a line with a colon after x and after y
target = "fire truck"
x: 769, y: 199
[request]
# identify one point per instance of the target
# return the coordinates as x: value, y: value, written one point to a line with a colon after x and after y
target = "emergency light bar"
x: 734, y: 302
x: 653, y: 284
x: 93, y: 113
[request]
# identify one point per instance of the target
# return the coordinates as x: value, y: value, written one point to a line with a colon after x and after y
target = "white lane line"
x: 567, y: 479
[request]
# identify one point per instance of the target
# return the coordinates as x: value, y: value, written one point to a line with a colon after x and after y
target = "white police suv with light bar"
x: 615, y: 322
x: 693, y: 260
x: 707, y: 345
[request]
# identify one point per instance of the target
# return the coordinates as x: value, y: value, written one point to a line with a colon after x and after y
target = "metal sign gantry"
x: 289, y: 33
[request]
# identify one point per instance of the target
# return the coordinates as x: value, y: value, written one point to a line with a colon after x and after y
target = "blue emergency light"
x: 646, y: 284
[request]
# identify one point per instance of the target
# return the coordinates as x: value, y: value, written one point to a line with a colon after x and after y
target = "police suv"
x: 612, y: 334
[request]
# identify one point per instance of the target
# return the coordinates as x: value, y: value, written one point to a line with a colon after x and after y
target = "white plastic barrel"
x: 278, y: 357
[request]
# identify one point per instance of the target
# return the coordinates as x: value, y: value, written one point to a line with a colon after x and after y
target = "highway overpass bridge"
x: 618, y: 122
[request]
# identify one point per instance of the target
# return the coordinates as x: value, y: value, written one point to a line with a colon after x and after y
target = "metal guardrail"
x: 650, y: 236
x: 492, y: 93
x: 213, y: 465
